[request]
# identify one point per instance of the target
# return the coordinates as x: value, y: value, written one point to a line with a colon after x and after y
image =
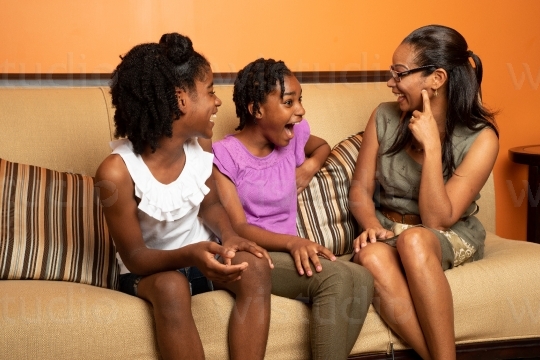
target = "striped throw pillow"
x: 52, y: 228
x: 323, y: 207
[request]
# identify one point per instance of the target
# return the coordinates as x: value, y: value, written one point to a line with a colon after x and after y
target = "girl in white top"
x: 161, y: 206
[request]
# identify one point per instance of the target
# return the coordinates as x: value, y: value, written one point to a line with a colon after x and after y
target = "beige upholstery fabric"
x: 289, y: 330
x: 60, y: 129
x: 52, y: 127
x: 62, y: 320
x: 67, y: 321
x: 487, y: 205
x: 69, y: 130
x: 508, y: 277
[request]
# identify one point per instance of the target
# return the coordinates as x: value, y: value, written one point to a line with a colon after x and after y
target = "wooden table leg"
x: 533, y: 205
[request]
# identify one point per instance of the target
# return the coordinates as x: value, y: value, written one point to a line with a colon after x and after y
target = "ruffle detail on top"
x: 168, y: 202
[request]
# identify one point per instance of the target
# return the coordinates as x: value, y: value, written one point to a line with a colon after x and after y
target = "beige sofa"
x: 496, y: 300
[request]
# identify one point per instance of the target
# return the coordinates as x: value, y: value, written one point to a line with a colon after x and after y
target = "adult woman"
x: 263, y: 167
x: 161, y: 205
x: 428, y: 154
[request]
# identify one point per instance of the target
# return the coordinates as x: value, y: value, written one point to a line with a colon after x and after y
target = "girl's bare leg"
x: 249, y: 323
x: 169, y: 294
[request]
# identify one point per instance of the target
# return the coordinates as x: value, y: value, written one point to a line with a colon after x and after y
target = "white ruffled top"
x: 168, y: 212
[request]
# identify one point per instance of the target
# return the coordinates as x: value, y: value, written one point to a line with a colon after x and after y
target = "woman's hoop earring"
x: 436, y: 92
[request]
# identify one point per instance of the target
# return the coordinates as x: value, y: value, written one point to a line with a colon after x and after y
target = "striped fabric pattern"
x: 323, y: 207
x: 52, y: 228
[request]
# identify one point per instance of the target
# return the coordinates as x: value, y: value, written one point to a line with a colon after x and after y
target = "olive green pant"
x: 339, y: 296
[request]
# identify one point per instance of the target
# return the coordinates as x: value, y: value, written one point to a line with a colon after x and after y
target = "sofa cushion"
x: 52, y: 227
x: 323, y: 207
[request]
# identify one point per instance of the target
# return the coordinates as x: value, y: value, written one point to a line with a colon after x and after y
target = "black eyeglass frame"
x: 398, y: 75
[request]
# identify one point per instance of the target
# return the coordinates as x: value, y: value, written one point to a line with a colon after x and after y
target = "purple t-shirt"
x: 266, y: 186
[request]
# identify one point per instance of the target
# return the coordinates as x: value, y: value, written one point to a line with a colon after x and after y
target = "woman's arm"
x: 363, y: 187
x: 442, y: 205
x: 116, y: 192
x: 302, y: 250
x: 317, y: 150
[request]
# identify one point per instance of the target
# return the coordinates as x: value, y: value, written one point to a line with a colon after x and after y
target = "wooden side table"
x: 530, y: 155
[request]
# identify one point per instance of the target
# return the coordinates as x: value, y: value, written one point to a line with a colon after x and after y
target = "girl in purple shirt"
x: 262, y: 168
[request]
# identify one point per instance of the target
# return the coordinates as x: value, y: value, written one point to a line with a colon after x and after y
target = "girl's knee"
x: 169, y: 294
x: 258, y: 273
x: 348, y: 288
x: 335, y: 277
x: 167, y: 288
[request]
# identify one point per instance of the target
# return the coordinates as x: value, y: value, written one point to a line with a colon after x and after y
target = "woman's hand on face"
x: 371, y: 235
x: 237, y: 243
x: 423, y: 125
x: 204, y: 255
x: 303, y: 251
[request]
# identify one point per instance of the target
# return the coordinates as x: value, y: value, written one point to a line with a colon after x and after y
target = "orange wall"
x: 65, y: 36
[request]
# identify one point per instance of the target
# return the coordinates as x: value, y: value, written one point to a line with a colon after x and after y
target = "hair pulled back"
x: 143, y: 88
x: 253, y: 83
x: 446, y: 48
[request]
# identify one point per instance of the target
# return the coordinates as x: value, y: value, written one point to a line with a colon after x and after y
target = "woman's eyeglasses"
x: 398, y: 75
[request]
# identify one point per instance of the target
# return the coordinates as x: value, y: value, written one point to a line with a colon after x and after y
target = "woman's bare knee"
x: 417, y: 247
x: 375, y: 257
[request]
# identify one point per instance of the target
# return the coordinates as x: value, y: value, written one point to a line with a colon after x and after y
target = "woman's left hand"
x: 424, y: 127
x: 370, y: 235
x: 237, y: 243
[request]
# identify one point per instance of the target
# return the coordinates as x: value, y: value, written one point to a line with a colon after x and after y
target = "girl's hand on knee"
x: 370, y: 235
x: 237, y: 243
x: 305, y: 251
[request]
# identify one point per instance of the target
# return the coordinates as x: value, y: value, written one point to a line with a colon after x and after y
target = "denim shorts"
x: 198, y: 283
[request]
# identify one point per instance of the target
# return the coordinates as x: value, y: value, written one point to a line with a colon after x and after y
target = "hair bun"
x: 178, y: 48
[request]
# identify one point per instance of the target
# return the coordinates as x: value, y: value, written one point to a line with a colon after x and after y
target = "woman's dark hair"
x: 445, y: 48
x: 253, y: 83
x: 143, y: 88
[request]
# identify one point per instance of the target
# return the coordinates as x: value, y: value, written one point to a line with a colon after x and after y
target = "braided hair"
x: 446, y: 48
x: 143, y: 88
x: 253, y: 83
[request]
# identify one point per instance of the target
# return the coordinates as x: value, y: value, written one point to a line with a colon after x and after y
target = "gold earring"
x: 436, y: 92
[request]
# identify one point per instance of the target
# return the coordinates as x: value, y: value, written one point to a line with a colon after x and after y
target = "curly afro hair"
x: 143, y: 88
x: 253, y: 83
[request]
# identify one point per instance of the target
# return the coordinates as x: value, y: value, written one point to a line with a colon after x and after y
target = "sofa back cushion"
x: 63, y: 129
x: 52, y: 228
